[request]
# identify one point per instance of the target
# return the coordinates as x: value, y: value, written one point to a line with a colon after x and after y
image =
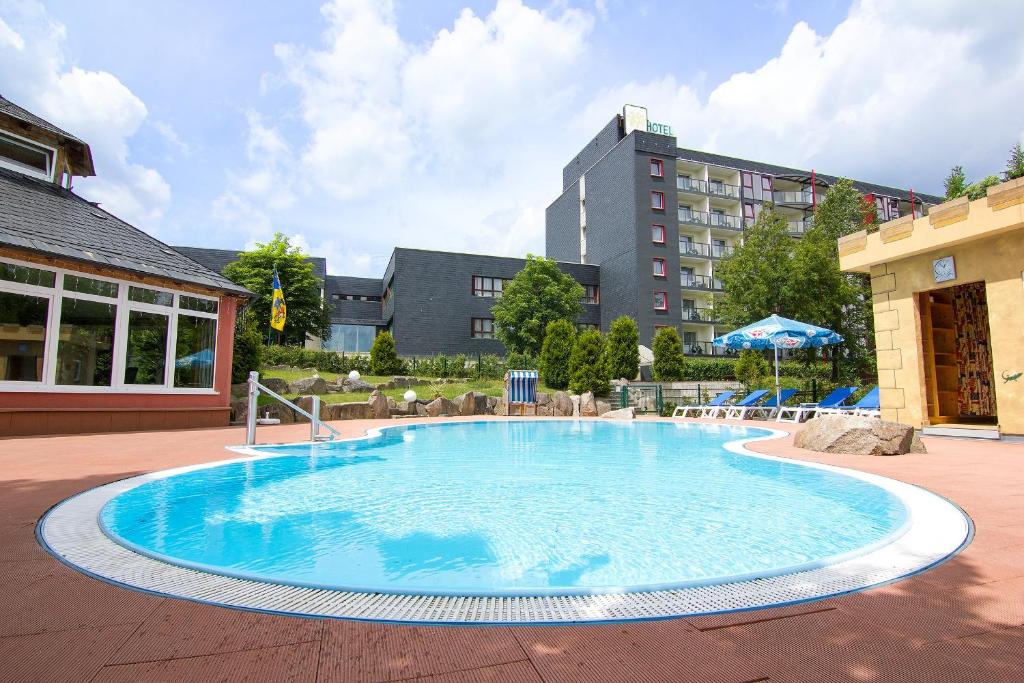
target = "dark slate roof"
x: 80, y: 152
x: 358, y: 286
x: 42, y: 217
x: 217, y: 259
x: 772, y: 169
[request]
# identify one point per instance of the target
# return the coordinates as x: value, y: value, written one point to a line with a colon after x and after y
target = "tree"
x: 751, y: 368
x: 539, y: 294
x: 623, y: 348
x: 668, y: 355
x: 556, y: 352
x: 248, y: 347
x: 955, y: 183
x: 980, y: 189
x: 588, y: 366
x: 757, y: 276
x: 1015, y: 165
x: 383, y: 358
x: 308, y: 313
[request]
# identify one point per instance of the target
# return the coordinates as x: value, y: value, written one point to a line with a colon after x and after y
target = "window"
x: 483, y: 328
x: 25, y: 156
x: 659, y: 267
x: 766, y: 184
x: 718, y: 248
x: 73, y: 330
x: 591, y: 294
x: 686, y: 277
x: 748, y: 210
x: 658, y: 201
x: 748, y: 180
x: 658, y: 234
x: 488, y: 286
x: 657, y: 168
x: 351, y: 338
x: 661, y: 301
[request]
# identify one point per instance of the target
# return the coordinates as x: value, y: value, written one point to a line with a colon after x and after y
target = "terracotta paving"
x: 963, y: 621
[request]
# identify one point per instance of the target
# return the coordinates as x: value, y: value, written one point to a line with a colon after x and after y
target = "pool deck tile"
x: 963, y: 621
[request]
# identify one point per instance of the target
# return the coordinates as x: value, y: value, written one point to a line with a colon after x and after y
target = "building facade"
x: 102, y: 327
x: 657, y: 219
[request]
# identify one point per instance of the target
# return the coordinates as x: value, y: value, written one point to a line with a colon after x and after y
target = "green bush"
x: 709, y: 370
x: 490, y: 366
x: 623, y: 348
x: 556, y: 353
x: 245, y: 355
x: 668, y: 356
x: 519, y: 361
x: 588, y: 365
x: 383, y: 359
x: 324, y: 361
x: 751, y: 367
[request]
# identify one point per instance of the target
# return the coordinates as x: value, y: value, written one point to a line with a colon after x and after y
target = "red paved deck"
x: 963, y: 621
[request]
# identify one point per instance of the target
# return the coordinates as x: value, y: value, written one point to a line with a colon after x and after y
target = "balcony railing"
x: 692, y: 185
x: 702, y: 250
x: 703, y: 282
x: 720, y: 189
x: 721, y: 220
x: 706, y: 348
x: 792, y: 197
x: 799, y: 227
x: 692, y: 216
x: 699, y: 314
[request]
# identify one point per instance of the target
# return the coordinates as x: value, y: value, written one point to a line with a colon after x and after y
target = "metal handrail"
x: 314, y: 417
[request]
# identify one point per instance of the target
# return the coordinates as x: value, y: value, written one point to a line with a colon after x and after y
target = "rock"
x: 306, y: 403
x: 855, y: 435
x: 405, y: 408
x: 441, y: 406
x: 492, y: 403
x: 356, y: 385
x: 308, y: 385
x: 588, y: 406
x: 421, y: 409
x: 239, y: 410
x: 546, y: 410
x: 276, y: 384
x: 401, y: 382
x: 277, y: 410
x: 501, y: 407
x: 240, y: 390
x: 603, y: 407
x: 472, y: 403
x: 916, y: 445
x: 563, y: 404
x: 575, y: 405
x: 379, y: 407
x: 392, y: 403
x: 620, y: 414
x: 543, y: 398
x: 348, y: 411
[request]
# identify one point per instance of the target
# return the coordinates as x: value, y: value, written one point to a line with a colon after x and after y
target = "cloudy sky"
x: 356, y: 125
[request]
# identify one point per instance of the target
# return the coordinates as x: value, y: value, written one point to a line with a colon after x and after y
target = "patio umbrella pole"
x: 778, y: 390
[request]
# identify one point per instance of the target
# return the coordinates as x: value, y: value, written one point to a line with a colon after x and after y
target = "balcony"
x: 705, y: 283
x: 691, y: 185
x: 701, y: 250
x: 719, y: 189
x: 799, y: 197
x: 692, y: 216
x: 706, y: 348
x: 699, y: 314
x: 797, y: 228
x: 722, y: 220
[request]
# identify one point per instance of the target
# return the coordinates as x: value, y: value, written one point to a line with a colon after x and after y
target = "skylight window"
x: 26, y: 157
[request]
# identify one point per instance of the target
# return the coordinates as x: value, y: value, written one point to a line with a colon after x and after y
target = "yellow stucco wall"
x: 987, y: 244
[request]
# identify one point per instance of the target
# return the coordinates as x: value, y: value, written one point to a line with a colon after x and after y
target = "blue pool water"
x: 508, y: 508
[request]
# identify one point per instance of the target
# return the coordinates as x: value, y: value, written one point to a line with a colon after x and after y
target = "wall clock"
x: 943, y: 269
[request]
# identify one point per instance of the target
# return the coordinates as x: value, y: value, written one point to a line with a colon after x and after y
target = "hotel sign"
x: 659, y: 128
x: 635, y: 118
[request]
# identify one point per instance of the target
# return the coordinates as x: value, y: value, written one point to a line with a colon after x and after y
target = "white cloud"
x: 92, y: 105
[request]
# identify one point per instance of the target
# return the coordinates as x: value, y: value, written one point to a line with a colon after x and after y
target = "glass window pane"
x: 22, y: 337
x: 194, y: 352
x: 85, y: 348
x: 196, y: 304
x: 150, y: 296
x: 366, y: 337
x: 88, y: 285
x: 147, y: 348
x: 25, y: 155
x: 26, y: 275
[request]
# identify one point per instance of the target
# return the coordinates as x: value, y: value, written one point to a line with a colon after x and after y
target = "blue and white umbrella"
x: 776, y: 332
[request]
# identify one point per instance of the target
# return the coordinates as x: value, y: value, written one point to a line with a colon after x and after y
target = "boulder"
x: 543, y: 398
x: 588, y: 405
x: 441, y: 406
x: 492, y: 403
x: 421, y: 408
x: 277, y: 410
x: 306, y: 403
x: 472, y: 403
x: 563, y: 404
x: 916, y: 445
x: 239, y: 410
x: 356, y: 385
x: 546, y: 410
x: 501, y: 407
x: 308, y: 385
x: 240, y: 390
x: 379, y: 407
x: 348, y: 411
x: 405, y: 408
x: 275, y: 384
x: 855, y: 435
x: 620, y: 414
x: 603, y: 407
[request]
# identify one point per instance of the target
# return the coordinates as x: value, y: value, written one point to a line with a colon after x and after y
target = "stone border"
x: 938, y: 529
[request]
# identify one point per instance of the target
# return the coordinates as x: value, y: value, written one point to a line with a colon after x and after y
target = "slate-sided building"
x: 657, y: 219
x: 102, y: 327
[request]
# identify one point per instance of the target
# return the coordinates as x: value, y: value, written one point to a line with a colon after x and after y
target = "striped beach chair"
x: 521, y: 391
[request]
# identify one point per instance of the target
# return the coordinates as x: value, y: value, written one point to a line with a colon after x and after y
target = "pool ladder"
x: 255, y: 389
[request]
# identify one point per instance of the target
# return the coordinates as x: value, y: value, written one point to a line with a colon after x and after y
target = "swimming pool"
x: 508, y: 508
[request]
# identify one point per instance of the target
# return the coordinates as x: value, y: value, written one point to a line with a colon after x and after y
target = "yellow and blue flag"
x: 278, y: 311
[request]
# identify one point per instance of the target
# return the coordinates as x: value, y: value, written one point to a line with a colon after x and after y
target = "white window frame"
x: 28, y: 143
x: 55, y: 294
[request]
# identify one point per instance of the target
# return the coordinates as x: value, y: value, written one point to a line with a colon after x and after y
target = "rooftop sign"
x: 635, y: 118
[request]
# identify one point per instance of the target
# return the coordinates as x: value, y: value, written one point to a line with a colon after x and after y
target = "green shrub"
x: 668, y: 356
x: 324, y: 361
x: 519, y: 361
x: 383, y: 359
x: 556, y: 353
x: 245, y: 355
x: 709, y: 370
x: 490, y: 366
x: 588, y: 365
x: 751, y: 368
x: 623, y: 348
